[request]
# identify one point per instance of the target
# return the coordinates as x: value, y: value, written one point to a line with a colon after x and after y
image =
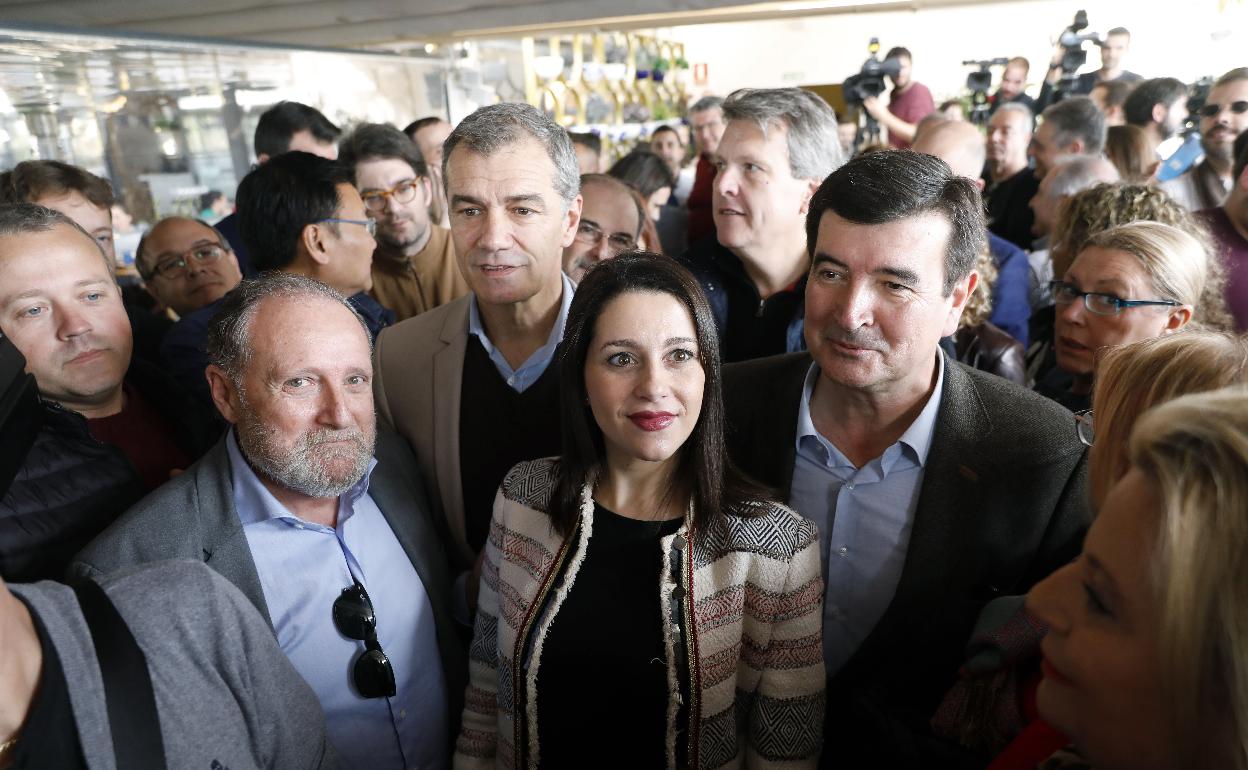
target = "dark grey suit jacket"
x: 1001, y: 506
x: 194, y: 517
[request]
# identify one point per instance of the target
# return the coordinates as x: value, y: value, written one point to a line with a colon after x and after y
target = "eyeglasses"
x: 1101, y: 304
x: 368, y: 224
x: 403, y: 192
x: 204, y: 254
x: 1212, y: 110
x: 1084, y: 427
x: 591, y: 234
x: 354, y: 618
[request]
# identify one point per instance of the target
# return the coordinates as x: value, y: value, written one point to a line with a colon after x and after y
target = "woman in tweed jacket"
x: 641, y: 603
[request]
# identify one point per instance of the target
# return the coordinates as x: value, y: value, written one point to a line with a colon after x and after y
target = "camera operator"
x: 1114, y: 50
x: 909, y: 102
x: 1013, y: 81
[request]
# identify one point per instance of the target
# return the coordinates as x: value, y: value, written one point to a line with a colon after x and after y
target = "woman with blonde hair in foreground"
x: 1132, y: 379
x: 1135, y: 378
x: 1146, y: 658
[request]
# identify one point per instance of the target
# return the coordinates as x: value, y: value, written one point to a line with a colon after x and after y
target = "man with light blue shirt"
x: 320, y: 520
x: 935, y: 487
x: 470, y: 384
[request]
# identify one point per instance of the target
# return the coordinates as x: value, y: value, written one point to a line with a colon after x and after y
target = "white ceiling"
x: 387, y: 23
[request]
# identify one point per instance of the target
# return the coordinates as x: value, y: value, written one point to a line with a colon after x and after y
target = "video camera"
x: 869, y: 81
x: 1198, y: 94
x: 1073, y: 54
x: 978, y: 83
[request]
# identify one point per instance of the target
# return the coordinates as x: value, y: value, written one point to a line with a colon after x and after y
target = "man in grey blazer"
x: 470, y: 384
x: 935, y: 487
x: 320, y: 520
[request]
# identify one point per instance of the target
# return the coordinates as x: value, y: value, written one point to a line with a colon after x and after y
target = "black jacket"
x: 70, y: 486
x: 1001, y: 506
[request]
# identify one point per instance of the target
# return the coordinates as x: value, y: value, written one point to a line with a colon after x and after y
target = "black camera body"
x: 1073, y: 54
x: 869, y: 81
x: 1198, y: 94
x: 978, y: 82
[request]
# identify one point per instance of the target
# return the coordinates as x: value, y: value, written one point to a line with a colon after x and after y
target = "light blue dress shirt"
x: 529, y: 372
x: 864, y: 515
x: 303, y: 568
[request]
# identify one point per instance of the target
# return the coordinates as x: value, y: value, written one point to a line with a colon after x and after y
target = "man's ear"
x: 1159, y: 113
x: 572, y: 219
x: 224, y: 395
x: 962, y: 291
x: 312, y: 241
x: 812, y: 186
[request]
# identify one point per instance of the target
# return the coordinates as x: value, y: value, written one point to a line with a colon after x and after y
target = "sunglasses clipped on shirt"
x: 1212, y: 110
x: 355, y: 619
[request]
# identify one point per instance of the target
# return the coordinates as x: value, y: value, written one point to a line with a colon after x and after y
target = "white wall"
x: 1186, y: 39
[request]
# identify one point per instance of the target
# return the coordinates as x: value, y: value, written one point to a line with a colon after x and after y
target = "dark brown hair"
x: 703, y: 472
x: 881, y: 187
x: 33, y: 179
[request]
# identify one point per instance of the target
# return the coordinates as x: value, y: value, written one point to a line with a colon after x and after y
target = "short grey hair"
x: 1023, y: 110
x: 1077, y: 117
x: 707, y: 103
x: 814, y: 146
x: 229, y: 333
x: 17, y: 219
x: 496, y: 126
x: 1076, y: 173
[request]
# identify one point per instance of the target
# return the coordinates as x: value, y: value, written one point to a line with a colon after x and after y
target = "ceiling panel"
x: 362, y: 23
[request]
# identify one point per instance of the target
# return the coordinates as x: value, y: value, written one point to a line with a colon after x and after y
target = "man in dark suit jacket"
x: 936, y: 487
x: 320, y: 520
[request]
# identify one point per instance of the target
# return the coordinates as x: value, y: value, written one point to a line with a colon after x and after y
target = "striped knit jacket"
x: 752, y: 632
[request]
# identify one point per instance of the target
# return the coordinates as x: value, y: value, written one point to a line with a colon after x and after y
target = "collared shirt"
x: 303, y: 569
x: 864, y: 515
x: 520, y: 379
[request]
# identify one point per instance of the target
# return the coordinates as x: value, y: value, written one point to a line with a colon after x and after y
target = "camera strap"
x: 132, y: 716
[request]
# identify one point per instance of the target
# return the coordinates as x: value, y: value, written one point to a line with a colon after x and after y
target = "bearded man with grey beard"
x: 321, y: 521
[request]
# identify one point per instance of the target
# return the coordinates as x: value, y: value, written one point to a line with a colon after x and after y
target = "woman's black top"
x: 602, y: 691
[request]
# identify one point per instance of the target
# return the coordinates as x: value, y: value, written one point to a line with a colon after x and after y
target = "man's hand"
x: 1055, y: 64
x: 873, y: 107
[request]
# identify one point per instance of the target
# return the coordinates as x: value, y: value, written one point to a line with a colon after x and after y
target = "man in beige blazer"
x: 471, y: 384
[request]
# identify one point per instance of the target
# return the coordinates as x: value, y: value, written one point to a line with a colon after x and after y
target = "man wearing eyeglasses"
x: 300, y: 213
x: 414, y: 267
x: 188, y: 266
x: 610, y: 224
x: 1223, y: 117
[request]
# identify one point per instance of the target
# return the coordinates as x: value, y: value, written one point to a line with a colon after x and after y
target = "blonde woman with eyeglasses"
x: 1129, y: 283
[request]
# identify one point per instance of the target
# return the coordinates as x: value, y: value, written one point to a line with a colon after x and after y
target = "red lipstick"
x: 652, y: 421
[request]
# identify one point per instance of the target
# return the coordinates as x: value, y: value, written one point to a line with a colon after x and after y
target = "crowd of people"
x: 459, y: 445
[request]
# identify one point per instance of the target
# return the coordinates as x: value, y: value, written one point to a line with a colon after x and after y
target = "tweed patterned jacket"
x: 752, y: 632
